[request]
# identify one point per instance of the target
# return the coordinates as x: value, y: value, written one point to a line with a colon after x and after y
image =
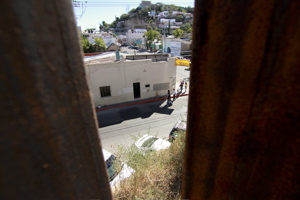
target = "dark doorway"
x: 168, y: 50
x: 136, y: 90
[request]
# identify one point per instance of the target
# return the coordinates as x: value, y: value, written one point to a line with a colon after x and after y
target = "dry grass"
x: 158, y: 174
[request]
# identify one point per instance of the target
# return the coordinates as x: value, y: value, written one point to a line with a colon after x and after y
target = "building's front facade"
x: 136, y: 34
x: 128, y: 80
x: 175, y: 46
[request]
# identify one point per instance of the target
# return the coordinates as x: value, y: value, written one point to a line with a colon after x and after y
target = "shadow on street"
x: 118, y: 115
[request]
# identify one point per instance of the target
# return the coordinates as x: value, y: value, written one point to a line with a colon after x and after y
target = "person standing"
x: 185, y: 86
x: 169, y: 98
x: 181, y: 85
x: 174, y: 94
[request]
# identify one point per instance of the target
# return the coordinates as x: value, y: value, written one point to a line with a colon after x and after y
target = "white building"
x: 91, y: 36
x: 136, y: 34
x: 145, y: 4
x: 126, y: 80
x: 152, y: 13
x: 163, y: 23
x: 171, y: 45
x: 107, y: 37
x: 163, y: 14
x: 175, y: 46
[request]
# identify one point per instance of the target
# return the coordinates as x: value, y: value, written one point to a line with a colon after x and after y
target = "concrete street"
x: 121, y: 125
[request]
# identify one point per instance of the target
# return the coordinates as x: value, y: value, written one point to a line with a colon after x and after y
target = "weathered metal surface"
x: 49, y: 143
x: 243, y: 117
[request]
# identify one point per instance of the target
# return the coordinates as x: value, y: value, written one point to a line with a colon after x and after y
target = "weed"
x: 158, y: 174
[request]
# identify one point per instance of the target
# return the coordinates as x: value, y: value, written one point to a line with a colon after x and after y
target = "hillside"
x: 150, y: 16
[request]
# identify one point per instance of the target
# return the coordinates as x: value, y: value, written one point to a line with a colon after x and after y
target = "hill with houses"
x: 130, y: 28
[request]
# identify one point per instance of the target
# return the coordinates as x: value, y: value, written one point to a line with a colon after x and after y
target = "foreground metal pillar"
x: 244, y: 106
x: 49, y: 145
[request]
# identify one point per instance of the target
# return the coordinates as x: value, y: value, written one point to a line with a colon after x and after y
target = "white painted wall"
x: 121, y: 75
x: 137, y: 34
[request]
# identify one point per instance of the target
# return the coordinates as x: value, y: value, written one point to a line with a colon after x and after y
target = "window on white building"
x: 105, y: 91
x: 161, y: 86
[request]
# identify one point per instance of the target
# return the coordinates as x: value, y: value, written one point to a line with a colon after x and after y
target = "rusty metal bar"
x: 243, y: 117
x: 49, y: 143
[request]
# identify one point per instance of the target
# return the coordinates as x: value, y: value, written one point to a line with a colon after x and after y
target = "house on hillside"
x: 152, y: 13
x: 134, y: 77
x: 145, y: 4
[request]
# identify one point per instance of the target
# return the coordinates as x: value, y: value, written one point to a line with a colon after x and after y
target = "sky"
x: 90, y: 13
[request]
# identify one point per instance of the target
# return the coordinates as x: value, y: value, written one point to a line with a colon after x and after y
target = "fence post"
x: 49, y: 143
x: 244, y: 112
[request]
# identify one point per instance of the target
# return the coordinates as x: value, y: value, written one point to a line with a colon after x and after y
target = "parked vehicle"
x: 117, y: 170
x: 182, y: 61
x: 179, y: 128
x: 151, y: 143
x: 159, y: 51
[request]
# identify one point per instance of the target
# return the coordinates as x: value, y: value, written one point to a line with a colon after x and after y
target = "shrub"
x: 158, y: 174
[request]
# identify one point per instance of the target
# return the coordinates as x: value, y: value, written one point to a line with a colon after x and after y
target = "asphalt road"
x: 120, y: 126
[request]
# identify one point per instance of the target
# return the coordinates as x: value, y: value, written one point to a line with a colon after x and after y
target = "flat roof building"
x: 133, y: 77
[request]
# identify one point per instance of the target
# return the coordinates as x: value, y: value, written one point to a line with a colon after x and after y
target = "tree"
x: 124, y: 17
x: 178, y: 33
x: 90, y: 30
x: 104, y: 26
x: 150, y: 36
x: 133, y: 10
x: 189, y: 9
x: 159, y: 8
x: 186, y: 27
x: 179, y: 18
x: 87, y: 47
x: 99, y: 44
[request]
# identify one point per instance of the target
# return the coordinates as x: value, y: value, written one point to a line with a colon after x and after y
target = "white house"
x: 145, y: 4
x: 136, y: 34
x: 91, y: 36
x: 108, y: 38
x: 152, y: 13
x: 175, y: 46
x: 171, y: 45
x: 132, y: 78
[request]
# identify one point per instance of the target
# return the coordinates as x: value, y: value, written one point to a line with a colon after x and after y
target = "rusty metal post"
x: 49, y: 145
x: 244, y: 106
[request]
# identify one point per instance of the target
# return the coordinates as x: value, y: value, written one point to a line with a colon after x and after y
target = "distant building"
x: 133, y: 77
x: 176, y: 46
x: 152, y: 13
x: 122, y: 39
x: 91, y: 36
x: 136, y: 34
x: 108, y: 38
x: 145, y: 4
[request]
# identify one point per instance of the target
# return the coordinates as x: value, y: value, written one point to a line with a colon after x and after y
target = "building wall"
x: 137, y: 34
x: 121, y: 75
